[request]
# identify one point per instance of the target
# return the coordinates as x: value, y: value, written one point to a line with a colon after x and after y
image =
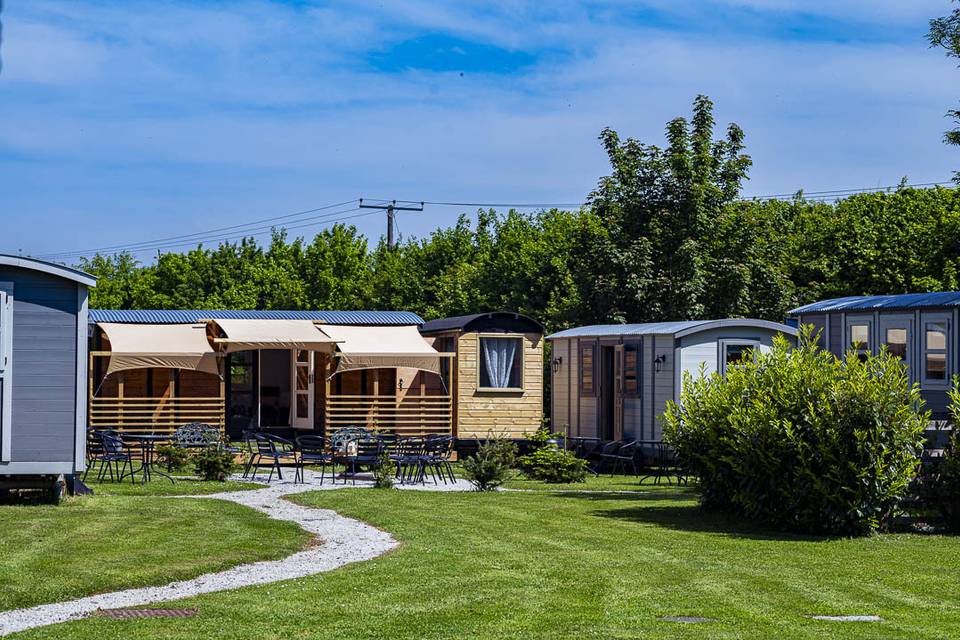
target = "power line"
x: 132, y: 245
x: 391, y: 208
x: 839, y: 193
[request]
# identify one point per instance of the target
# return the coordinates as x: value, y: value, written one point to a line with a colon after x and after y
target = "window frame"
x: 582, y: 346
x: 926, y: 321
x: 516, y: 336
x: 724, y: 343
x: 860, y: 320
x: 635, y: 347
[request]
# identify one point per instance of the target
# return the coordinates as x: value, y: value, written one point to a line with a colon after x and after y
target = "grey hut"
x: 919, y: 328
x: 43, y: 371
x: 612, y: 382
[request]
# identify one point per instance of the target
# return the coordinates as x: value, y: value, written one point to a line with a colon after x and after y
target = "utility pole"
x: 391, y: 210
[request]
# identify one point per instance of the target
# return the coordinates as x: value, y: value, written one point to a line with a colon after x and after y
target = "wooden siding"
x: 44, y: 366
x: 663, y: 384
x: 511, y: 413
x: 560, y: 397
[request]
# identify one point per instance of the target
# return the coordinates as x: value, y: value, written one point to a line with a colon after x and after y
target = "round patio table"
x: 148, y: 443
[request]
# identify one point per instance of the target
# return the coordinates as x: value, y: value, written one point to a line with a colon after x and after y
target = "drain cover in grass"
x: 125, y: 614
x: 686, y: 619
x: 848, y: 618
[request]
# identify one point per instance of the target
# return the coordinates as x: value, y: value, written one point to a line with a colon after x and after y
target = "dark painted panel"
x: 836, y: 333
x: 44, y: 363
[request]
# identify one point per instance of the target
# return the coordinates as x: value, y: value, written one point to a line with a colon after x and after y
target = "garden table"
x: 148, y: 444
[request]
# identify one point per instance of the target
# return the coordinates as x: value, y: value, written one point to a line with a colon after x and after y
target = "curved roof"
x: 937, y: 299
x: 464, y: 323
x: 677, y: 329
x: 188, y: 316
x: 52, y: 268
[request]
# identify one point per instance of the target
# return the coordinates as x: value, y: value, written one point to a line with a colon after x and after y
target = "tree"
x: 660, y: 206
x: 944, y: 34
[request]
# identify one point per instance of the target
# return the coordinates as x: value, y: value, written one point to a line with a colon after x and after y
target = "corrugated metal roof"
x: 938, y: 299
x: 677, y: 328
x: 181, y: 316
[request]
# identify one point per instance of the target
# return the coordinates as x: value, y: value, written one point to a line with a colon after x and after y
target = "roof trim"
x: 738, y: 322
x: 52, y: 268
x: 677, y: 329
x: 463, y: 323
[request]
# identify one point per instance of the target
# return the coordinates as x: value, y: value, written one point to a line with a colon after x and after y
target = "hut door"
x: 6, y: 369
x: 302, y: 389
x: 618, y: 392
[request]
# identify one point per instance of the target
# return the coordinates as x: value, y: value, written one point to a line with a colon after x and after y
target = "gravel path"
x: 343, y: 541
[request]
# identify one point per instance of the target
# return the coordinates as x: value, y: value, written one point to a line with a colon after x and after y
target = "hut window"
x: 501, y: 362
x: 735, y: 353
x: 586, y: 369
x: 935, y: 351
x: 860, y: 339
x: 631, y: 366
x: 897, y: 343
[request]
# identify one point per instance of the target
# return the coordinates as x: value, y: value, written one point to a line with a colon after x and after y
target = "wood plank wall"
x: 514, y: 414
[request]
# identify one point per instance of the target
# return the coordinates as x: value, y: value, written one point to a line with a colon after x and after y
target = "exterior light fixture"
x: 658, y: 362
x: 556, y: 363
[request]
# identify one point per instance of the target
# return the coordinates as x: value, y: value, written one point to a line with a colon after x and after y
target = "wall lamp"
x: 658, y: 362
x: 556, y: 363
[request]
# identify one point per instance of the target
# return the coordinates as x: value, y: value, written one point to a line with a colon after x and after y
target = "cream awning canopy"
x: 247, y: 334
x: 372, y: 347
x: 174, y: 346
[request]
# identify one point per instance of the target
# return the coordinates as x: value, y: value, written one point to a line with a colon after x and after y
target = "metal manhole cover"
x: 125, y: 614
x: 686, y: 619
x: 847, y: 618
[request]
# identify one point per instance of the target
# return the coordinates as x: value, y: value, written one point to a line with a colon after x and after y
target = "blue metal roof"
x: 939, y: 299
x: 678, y: 328
x: 186, y: 316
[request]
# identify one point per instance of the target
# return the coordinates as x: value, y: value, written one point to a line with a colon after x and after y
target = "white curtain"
x: 499, y: 355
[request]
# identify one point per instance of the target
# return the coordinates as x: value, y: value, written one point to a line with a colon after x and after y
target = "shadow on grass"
x: 689, y: 517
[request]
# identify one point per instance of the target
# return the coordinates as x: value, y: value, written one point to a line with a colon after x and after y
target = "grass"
x: 564, y: 564
x: 100, y: 543
x: 160, y: 486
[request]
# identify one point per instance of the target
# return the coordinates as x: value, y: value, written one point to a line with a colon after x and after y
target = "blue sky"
x: 130, y: 120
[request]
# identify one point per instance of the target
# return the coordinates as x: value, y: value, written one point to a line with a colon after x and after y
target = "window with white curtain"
x: 501, y: 362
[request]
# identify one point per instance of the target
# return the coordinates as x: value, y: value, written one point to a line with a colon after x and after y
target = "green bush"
x: 554, y: 465
x: 944, y: 493
x: 213, y: 463
x: 802, y: 440
x: 492, y: 464
x: 383, y: 472
x: 172, y: 456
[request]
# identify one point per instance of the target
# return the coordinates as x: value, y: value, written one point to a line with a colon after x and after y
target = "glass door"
x: 303, y: 389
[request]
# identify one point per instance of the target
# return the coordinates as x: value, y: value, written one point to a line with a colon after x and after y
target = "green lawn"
x: 101, y: 543
x: 555, y: 564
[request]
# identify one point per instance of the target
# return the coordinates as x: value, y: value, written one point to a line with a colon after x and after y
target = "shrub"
x: 491, y: 465
x: 383, y: 472
x: 214, y: 464
x: 802, y: 440
x: 172, y: 456
x: 944, y: 481
x: 554, y: 465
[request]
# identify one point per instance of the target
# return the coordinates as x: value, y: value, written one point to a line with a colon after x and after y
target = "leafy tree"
x: 944, y: 34
x: 660, y: 205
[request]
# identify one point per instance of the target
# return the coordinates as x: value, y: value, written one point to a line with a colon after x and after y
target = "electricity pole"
x: 390, y: 208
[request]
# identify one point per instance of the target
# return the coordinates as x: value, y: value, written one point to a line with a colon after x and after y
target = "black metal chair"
x: 606, y: 455
x: 366, y: 452
x: 628, y: 455
x: 271, y: 451
x: 315, y: 450
x: 436, y: 458
x: 407, y: 455
x: 114, y: 451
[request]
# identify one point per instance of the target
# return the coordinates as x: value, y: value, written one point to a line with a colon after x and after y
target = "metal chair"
x: 315, y: 450
x: 368, y: 453
x: 408, y: 457
x: 114, y: 452
x: 196, y: 435
x: 436, y: 458
x: 272, y: 450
